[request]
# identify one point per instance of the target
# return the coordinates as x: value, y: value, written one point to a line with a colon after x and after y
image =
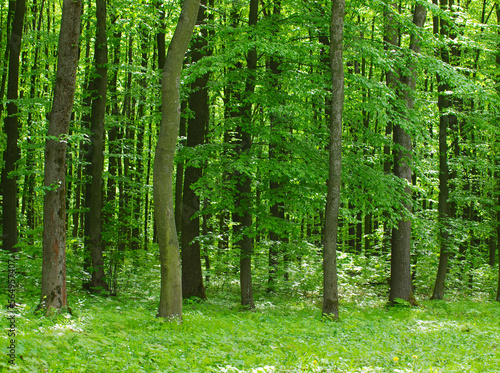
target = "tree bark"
x: 330, y: 282
x: 53, y: 294
x: 444, y: 103
x: 12, y: 152
x: 192, y: 275
x: 171, y: 287
x: 276, y: 151
x: 401, y: 281
x: 243, y: 201
x: 94, y: 242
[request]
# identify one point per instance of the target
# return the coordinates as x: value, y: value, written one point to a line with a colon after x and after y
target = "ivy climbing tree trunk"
x: 11, y: 127
x: 53, y: 293
x: 171, y: 286
x: 330, y: 282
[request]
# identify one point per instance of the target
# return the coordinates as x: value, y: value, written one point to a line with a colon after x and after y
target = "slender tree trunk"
x: 330, y: 283
x: 11, y: 127
x: 444, y: 103
x: 28, y: 205
x: 138, y: 204
x: 171, y: 284
x: 243, y: 201
x: 276, y: 142
x: 401, y: 281
x: 110, y: 216
x: 94, y: 218
x: 53, y: 294
x: 192, y: 275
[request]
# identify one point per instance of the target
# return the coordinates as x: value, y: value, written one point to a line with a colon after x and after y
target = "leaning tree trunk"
x: 401, y: 282
x: 54, y: 211
x: 171, y: 288
x: 330, y: 284
x: 11, y: 128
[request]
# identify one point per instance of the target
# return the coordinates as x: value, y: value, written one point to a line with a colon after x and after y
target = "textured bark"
x: 330, y: 282
x: 243, y: 200
x: 192, y: 275
x: 94, y: 242
x: 171, y: 287
x: 11, y: 127
x: 401, y: 281
x: 53, y: 294
x: 391, y: 39
x: 444, y: 103
x: 276, y: 151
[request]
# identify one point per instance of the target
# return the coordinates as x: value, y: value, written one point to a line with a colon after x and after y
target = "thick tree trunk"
x: 192, y: 275
x: 11, y: 127
x: 330, y: 283
x: 171, y: 287
x: 53, y: 294
x: 94, y: 242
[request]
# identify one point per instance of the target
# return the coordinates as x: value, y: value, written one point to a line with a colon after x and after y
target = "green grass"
x: 122, y: 334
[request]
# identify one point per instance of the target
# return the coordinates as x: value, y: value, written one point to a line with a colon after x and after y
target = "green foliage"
x: 282, y: 334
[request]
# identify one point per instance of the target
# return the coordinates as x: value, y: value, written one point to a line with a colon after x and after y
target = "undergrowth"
x: 285, y: 333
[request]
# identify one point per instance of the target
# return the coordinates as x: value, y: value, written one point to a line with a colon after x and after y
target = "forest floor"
x: 283, y: 334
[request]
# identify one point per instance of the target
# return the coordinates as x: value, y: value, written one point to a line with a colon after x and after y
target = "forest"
x: 250, y: 186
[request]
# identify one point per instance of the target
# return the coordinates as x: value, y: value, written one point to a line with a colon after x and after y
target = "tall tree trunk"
x: 110, y: 215
x: 444, y: 103
x: 276, y: 151
x: 136, y: 241
x: 242, y: 215
x: 28, y: 205
x: 94, y: 217
x: 192, y: 275
x: 401, y: 281
x: 330, y: 282
x: 11, y: 127
x: 53, y: 294
x: 171, y: 283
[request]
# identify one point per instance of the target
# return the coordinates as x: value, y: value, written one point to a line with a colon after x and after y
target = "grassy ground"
x: 122, y: 334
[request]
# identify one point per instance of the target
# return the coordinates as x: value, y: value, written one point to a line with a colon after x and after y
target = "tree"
x: 444, y: 105
x: 243, y: 201
x: 192, y: 276
x: 53, y: 294
x: 330, y: 285
x: 171, y: 287
x: 93, y: 221
x: 12, y: 153
x: 401, y: 282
